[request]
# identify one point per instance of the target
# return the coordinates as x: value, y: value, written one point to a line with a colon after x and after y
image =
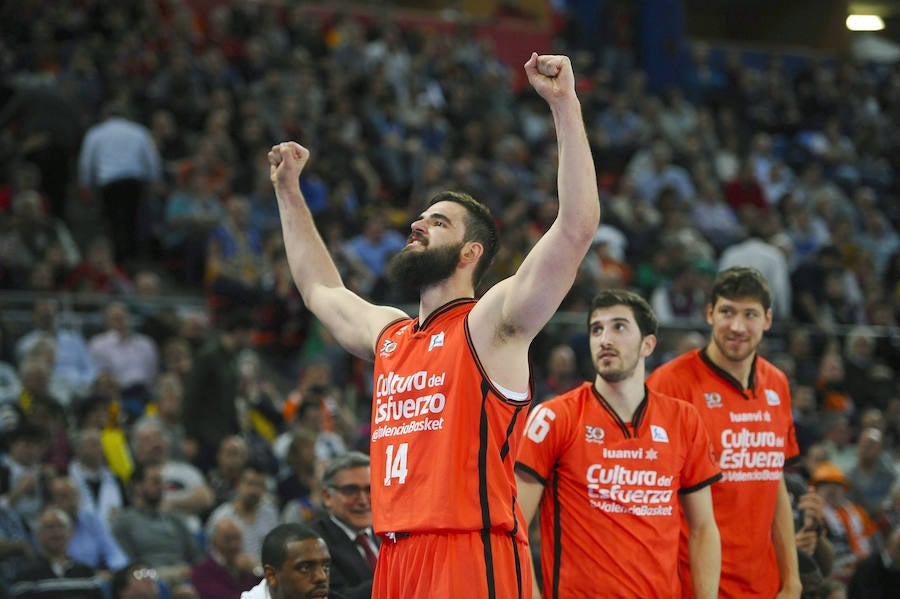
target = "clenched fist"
x: 286, y: 162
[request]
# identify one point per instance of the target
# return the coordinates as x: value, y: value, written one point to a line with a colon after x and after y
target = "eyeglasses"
x: 351, y: 490
x: 144, y: 573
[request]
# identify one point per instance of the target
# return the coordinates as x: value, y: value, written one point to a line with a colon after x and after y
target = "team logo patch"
x: 594, y: 434
x: 772, y: 398
x: 713, y: 400
x: 658, y: 433
x: 387, y: 348
x: 436, y: 341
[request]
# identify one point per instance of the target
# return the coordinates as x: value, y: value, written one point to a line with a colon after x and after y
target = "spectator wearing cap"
x: 849, y: 527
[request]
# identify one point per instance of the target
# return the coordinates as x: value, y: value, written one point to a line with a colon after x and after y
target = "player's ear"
x: 471, y: 252
x: 648, y: 344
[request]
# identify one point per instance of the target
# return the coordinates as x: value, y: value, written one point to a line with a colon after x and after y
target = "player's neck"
x: 739, y: 369
x: 624, y: 396
x: 434, y: 296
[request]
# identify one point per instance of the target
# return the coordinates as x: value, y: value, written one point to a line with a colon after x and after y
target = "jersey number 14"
x: 395, y: 464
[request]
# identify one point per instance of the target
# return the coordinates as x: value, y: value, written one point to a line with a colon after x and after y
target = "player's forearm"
x: 705, y: 552
x: 311, y: 264
x: 785, y: 544
x: 579, y: 204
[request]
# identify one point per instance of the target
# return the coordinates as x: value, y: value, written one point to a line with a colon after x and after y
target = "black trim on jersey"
x: 441, y: 310
x: 730, y: 379
x: 636, y: 420
x: 486, y: 379
x: 698, y: 486
x: 528, y: 470
x: 509, y: 431
x: 483, y: 491
x: 557, y: 537
x: 515, y: 548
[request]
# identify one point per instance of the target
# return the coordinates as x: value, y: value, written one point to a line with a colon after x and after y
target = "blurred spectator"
x: 838, y: 440
x: 743, y: 193
x: 259, y: 409
x: 660, y: 174
x: 191, y: 214
x: 119, y: 162
x: 168, y: 394
x: 153, y: 535
x: 298, y: 486
x: 235, y: 259
x: 251, y: 509
x: 16, y: 549
x: 92, y: 542
x: 72, y: 363
x: 714, y: 218
x: 863, y: 368
x: 210, y: 398
x: 872, y: 477
x: 99, y: 272
x: 878, y: 575
x: 231, y: 459
x: 758, y: 252
x: 100, y: 492
x: 40, y: 579
x: 807, y: 416
x: 23, y: 480
x: 681, y: 299
x: 373, y: 247
x: 132, y: 358
x: 185, y: 489
x: 47, y: 129
x: 560, y: 373
x: 849, y: 527
x: 226, y: 571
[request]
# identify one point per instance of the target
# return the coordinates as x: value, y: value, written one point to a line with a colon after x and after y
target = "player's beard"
x: 418, y: 269
x: 617, y: 375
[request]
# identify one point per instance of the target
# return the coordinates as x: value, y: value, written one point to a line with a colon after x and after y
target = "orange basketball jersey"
x: 752, y: 431
x: 610, y: 515
x: 443, y: 436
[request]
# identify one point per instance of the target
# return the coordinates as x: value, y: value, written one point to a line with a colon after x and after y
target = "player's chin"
x: 318, y: 592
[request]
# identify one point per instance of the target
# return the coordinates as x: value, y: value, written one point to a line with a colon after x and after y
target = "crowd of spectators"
x: 158, y: 118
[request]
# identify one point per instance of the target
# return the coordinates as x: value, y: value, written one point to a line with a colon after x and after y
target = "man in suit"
x: 347, y: 527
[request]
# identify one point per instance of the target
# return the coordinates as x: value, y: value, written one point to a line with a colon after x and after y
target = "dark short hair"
x: 643, y: 313
x: 480, y: 227
x: 351, y: 459
x: 741, y: 282
x: 274, y: 545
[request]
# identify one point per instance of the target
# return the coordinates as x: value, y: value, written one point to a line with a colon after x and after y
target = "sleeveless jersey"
x: 752, y: 431
x: 444, y: 438
x: 610, y: 514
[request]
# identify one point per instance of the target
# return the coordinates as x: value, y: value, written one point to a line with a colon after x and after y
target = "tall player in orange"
x: 451, y: 385
x: 745, y: 403
x: 613, y: 466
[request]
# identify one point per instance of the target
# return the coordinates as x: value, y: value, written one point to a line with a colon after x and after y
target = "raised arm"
x: 354, y: 322
x: 522, y: 304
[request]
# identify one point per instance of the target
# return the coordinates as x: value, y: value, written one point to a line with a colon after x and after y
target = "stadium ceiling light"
x: 865, y: 23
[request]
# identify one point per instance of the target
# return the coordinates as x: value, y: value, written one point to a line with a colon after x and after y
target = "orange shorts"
x: 445, y: 565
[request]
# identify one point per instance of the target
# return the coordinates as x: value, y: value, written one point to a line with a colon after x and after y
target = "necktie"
x: 362, y: 539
